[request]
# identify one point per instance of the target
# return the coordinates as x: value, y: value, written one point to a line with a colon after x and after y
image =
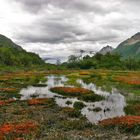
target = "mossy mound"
x: 130, y: 124
x: 81, y: 93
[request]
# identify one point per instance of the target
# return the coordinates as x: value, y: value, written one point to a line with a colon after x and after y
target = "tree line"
x: 100, y: 61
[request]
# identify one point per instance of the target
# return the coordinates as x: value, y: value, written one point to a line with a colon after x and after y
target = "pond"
x: 112, y: 106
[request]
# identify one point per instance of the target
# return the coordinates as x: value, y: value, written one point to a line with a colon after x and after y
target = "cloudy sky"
x: 58, y: 28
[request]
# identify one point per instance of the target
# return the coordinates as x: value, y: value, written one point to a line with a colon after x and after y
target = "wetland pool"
x: 112, y: 106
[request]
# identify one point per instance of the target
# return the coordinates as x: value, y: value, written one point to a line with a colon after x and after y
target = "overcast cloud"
x: 58, y: 28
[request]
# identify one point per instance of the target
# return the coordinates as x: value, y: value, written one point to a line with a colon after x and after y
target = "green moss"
x: 72, y: 81
x: 79, y: 105
x: 97, y: 109
x: 6, y: 96
x: 74, y: 114
x: 133, y: 107
x: 68, y: 102
x: 92, y: 98
x: 39, y: 85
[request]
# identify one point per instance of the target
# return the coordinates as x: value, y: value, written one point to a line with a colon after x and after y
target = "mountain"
x: 13, y: 55
x: 130, y: 48
x: 105, y: 50
x: 6, y: 42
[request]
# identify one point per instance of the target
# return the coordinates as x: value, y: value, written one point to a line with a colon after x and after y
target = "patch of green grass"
x: 133, y: 107
x: 74, y: 114
x: 8, y: 95
x: 92, y: 98
x: 96, y: 76
x: 68, y: 102
x: 71, y: 112
x: 39, y: 85
x: 72, y: 81
x: 74, y: 125
x: 79, y: 105
x: 133, y: 130
x: 97, y: 109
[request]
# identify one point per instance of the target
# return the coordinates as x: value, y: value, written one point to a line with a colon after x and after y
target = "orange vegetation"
x: 128, y: 121
x: 19, y: 139
x: 38, y: 101
x: 29, y: 73
x: 4, y: 102
x: 19, y: 128
x: 130, y: 79
x: 84, y: 73
x: 71, y: 90
x: 4, y: 78
x: 68, y: 109
x: 8, y: 76
x: 8, y: 89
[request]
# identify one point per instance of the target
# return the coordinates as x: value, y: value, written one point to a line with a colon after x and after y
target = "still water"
x: 112, y: 106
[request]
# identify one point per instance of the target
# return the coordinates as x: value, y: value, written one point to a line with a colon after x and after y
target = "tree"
x: 58, y: 62
x: 72, y: 59
x: 131, y: 64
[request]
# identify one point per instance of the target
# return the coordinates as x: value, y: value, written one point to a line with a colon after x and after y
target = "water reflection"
x: 43, y: 92
x: 112, y: 106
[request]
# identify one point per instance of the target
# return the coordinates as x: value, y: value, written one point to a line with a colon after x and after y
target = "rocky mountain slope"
x: 130, y: 48
x: 105, y: 50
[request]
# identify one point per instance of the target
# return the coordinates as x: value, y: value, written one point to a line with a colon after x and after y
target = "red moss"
x: 19, y: 128
x: 128, y: 121
x: 130, y: 79
x: 68, y: 109
x: 38, y: 101
x: 19, y: 139
x: 7, y: 89
x: 5, y: 102
x: 71, y: 90
x: 1, y: 136
x: 84, y: 73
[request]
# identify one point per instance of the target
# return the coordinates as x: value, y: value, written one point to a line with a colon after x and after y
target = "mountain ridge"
x: 129, y: 48
x: 12, y: 54
x: 130, y: 41
x: 106, y: 49
x: 6, y: 42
